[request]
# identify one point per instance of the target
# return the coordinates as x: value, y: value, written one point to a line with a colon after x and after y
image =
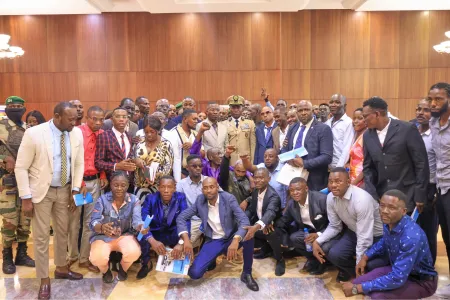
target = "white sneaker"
x: 443, y: 292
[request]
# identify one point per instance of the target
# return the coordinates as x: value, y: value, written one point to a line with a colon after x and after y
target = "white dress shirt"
x: 304, y: 213
x: 343, y: 134
x: 259, y: 208
x: 214, y: 220
x: 283, y: 135
x: 125, y: 138
x: 177, y: 147
x: 382, y: 133
x: 308, y: 125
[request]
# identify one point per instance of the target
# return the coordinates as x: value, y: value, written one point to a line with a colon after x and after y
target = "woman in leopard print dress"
x: 153, y: 149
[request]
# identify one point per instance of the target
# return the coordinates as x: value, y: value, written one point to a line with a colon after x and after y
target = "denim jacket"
x: 128, y: 216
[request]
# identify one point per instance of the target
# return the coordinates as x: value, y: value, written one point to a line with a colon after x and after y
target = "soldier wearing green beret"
x: 15, y: 225
x: 241, y: 132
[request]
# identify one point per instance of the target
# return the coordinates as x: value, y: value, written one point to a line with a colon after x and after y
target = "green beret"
x: 178, y: 105
x: 14, y: 100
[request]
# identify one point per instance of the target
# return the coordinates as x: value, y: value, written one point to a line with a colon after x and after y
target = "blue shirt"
x: 280, y: 188
x: 407, y: 248
x: 191, y: 189
x: 56, y: 136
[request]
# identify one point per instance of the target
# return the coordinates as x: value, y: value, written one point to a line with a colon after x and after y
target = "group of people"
x: 212, y: 184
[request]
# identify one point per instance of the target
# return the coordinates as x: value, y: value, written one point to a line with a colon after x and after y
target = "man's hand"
x: 251, y: 230
x: 268, y: 229
x: 177, y: 251
x: 136, y: 140
x: 232, y: 249
x: 420, y: 207
x: 296, y: 162
x: 103, y: 183
x: 311, y: 238
x: 318, y: 252
x: 72, y: 205
x: 264, y: 95
x: 244, y: 157
x: 243, y: 205
x: 187, y: 146
x: 83, y: 191
x: 126, y: 165
x: 139, y: 163
x: 141, y: 230
x: 361, y: 266
x: 157, y: 246
x: 188, y: 249
x: 347, y: 289
x: 205, y: 126
x: 230, y: 149
x: 285, y: 143
x: 27, y: 207
x: 10, y: 163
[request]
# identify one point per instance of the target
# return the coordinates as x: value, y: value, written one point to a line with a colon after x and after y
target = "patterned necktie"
x: 268, y: 134
x: 63, y: 161
x: 299, y: 141
x: 124, y: 149
x: 237, y: 123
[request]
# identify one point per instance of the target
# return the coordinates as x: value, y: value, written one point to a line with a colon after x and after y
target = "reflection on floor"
x: 157, y: 285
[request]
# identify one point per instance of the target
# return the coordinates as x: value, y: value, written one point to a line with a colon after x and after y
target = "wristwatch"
x: 180, y: 242
x: 354, y: 290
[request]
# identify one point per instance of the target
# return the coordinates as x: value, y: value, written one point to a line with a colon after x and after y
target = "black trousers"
x: 443, y: 210
x: 267, y: 241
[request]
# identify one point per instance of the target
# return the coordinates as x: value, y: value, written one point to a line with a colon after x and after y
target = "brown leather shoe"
x: 88, y: 265
x: 44, y: 291
x: 69, y: 275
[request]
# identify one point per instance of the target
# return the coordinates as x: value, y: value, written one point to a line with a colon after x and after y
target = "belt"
x: 421, y: 277
x: 60, y: 187
x: 91, y: 177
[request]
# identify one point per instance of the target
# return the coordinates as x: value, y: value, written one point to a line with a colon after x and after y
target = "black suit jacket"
x: 271, y: 209
x: 401, y: 163
x: 317, y: 213
x: 319, y: 144
x: 261, y: 145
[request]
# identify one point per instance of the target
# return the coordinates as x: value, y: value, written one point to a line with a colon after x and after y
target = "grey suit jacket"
x: 132, y: 127
x: 232, y: 218
x: 211, y: 139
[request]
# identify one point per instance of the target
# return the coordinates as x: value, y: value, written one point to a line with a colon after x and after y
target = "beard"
x: 443, y: 109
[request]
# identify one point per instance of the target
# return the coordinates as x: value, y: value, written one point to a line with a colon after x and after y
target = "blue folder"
x: 81, y: 200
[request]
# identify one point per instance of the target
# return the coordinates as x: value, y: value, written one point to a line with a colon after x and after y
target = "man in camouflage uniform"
x: 15, y: 224
x: 241, y: 132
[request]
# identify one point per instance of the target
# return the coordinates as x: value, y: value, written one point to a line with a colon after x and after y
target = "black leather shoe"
x: 262, y: 255
x: 319, y: 270
x: 108, y: 277
x: 249, y: 282
x: 143, y: 272
x: 342, y: 277
x: 122, y: 275
x: 212, y: 266
x: 310, y: 265
x: 280, y: 267
x: 22, y: 258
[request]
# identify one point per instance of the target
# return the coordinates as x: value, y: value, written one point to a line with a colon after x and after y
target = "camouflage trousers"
x: 15, y: 224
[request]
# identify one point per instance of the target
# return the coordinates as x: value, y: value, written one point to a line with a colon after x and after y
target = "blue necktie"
x: 268, y: 134
x: 299, y: 141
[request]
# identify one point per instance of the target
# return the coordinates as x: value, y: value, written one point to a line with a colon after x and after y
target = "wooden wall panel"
x: 413, y: 83
x: 271, y: 80
x: 120, y: 85
x: 407, y: 109
x: 93, y: 87
x: 384, y: 83
x: 355, y: 39
x: 63, y: 86
x: 355, y: 83
x: 384, y: 39
x: 119, y: 54
x: 266, y: 30
x: 296, y: 84
x: 324, y: 83
x: 296, y: 40
x: 439, y: 24
x: 414, y: 39
x: 91, y: 43
x: 62, y: 39
x: 325, y: 39
x: 436, y: 75
x: 35, y: 87
x: 9, y: 86
x: 353, y: 104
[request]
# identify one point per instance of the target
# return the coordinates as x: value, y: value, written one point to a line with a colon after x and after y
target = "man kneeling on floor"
x: 165, y: 206
x: 225, y: 227
x: 408, y: 272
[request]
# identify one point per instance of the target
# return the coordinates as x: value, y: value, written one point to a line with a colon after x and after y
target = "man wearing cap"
x: 241, y: 132
x: 15, y: 224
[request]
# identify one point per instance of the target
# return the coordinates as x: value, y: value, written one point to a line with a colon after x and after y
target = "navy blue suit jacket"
x: 232, y: 218
x: 319, y: 144
x: 261, y: 145
x: 153, y: 206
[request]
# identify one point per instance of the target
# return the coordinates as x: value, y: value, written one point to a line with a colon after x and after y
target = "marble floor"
x: 158, y: 285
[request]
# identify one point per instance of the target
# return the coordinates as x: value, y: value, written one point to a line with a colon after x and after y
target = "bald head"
x: 304, y: 111
x: 163, y: 106
x: 210, y: 189
x: 338, y: 104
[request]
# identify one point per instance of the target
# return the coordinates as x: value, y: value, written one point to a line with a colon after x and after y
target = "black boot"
x: 8, y: 266
x: 22, y: 258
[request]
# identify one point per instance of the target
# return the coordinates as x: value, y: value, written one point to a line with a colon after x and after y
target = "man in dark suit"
x: 263, y: 211
x: 395, y: 156
x: 264, y: 139
x: 225, y: 226
x: 308, y: 209
x: 165, y: 206
x: 317, y: 139
x: 114, y: 146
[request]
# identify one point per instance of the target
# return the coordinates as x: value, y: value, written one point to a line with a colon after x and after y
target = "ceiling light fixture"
x: 7, y: 51
x: 443, y: 47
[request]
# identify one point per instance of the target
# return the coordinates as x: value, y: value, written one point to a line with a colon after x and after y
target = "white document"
x: 289, y: 172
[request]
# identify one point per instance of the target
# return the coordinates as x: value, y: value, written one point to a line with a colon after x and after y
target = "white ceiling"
x: 36, y: 7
